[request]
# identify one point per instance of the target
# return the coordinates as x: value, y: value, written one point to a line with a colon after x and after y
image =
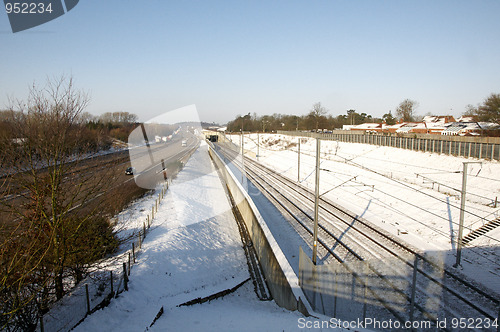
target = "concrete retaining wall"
x: 281, y: 279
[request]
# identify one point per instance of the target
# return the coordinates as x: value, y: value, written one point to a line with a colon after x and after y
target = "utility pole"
x: 298, y: 162
x: 462, y: 211
x: 242, y: 151
x: 316, y: 203
x: 258, y: 145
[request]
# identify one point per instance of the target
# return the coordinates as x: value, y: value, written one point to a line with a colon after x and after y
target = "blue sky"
x: 235, y: 57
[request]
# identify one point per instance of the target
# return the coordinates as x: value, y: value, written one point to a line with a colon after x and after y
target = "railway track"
x: 348, y: 239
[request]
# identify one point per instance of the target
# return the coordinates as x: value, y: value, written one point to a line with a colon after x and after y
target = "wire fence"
x: 101, y: 286
x: 468, y: 147
x: 415, y: 296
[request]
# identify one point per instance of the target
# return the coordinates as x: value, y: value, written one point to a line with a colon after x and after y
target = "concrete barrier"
x: 282, y: 281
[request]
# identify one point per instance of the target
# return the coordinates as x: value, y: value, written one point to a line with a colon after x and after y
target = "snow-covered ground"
x: 414, y: 195
x: 192, y: 250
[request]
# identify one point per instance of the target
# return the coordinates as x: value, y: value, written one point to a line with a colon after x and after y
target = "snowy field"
x: 192, y: 250
x: 413, y: 195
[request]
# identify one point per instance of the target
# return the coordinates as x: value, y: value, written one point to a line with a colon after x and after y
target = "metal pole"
x: 298, y: 163
x: 258, y: 145
x: 413, y: 288
x: 242, y: 155
x: 462, y: 210
x: 242, y: 143
x: 316, y: 201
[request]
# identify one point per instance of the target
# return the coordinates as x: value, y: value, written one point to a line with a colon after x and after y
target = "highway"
x: 98, y: 182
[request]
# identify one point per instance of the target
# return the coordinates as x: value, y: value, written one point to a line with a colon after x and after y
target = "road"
x: 99, y: 182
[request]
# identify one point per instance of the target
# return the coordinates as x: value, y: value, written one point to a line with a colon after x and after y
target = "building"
x: 436, y: 125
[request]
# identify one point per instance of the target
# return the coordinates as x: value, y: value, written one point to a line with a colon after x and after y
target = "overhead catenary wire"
x: 350, y: 162
x: 449, y: 289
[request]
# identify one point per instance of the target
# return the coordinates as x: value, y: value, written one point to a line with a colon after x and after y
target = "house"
x: 429, y: 125
x: 465, y: 128
x: 376, y: 127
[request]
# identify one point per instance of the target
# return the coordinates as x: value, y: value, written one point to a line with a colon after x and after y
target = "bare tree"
x: 470, y: 111
x: 118, y: 118
x: 317, y: 113
x: 406, y: 110
x: 54, y: 226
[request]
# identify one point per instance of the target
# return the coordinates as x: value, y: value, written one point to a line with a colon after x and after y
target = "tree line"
x: 318, y: 118
x: 95, y: 132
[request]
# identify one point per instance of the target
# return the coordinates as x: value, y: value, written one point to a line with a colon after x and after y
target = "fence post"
x: 148, y: 221
x: 111, y: 277
x: 88, y: 299
x: 140, y: 242
x: 153, y: 213
x: 125, y: 277
x: 42, y: 329
x: 144, y: 229
x: 133, y: 251
x: 129, y: 263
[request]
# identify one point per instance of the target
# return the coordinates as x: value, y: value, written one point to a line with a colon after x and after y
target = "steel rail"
x: 397, y: 243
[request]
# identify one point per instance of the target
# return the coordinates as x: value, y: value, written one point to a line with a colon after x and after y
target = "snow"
x: 193, y: 250
x: 413, y: 195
